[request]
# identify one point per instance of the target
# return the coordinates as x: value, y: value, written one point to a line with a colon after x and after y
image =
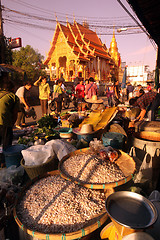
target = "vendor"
x: 95, y: 103
x: 148, y: 101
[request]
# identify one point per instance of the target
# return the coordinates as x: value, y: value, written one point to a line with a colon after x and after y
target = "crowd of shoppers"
x: 85, y: 90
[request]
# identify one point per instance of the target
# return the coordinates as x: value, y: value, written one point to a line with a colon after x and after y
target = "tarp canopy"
x: 10, y: 68
x: 148, y: 13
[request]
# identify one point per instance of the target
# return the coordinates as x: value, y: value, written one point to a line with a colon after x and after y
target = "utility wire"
x: 26, y: 15
x: 54, y: 20
x: 67, y: 14
x: 5, y: 9
x: 52, y: 28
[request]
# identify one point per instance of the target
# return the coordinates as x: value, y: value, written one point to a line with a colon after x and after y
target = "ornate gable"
x: 76, y: 47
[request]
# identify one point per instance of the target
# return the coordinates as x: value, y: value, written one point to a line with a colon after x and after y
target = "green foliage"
x: 42, y: 133
x: 47, y: 121
x: 28, y: 60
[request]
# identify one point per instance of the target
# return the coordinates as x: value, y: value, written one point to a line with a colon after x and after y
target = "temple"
x: 77, y: 51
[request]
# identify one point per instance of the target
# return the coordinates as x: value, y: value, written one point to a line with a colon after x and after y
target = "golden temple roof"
x: 83, y: 42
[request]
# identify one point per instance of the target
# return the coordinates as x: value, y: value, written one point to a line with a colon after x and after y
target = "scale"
x: 126, y: 211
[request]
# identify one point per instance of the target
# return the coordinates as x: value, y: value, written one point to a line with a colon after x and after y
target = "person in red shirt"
x: 80, y: 91
x: 149, y: 88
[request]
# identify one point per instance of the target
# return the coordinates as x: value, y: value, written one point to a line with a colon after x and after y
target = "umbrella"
x: 124, y: 78
x: 156, y: 78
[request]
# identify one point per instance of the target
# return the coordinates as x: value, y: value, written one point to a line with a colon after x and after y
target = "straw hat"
x: 94, y: 99
x: 85, y: 129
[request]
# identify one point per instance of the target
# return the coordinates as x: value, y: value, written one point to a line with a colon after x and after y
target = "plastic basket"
x: 36, y: 170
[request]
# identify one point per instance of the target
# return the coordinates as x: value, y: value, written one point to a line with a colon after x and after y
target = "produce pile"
x: 97, y: 165
x: 91, y: 168
x: 43, y: 132
x: 55, y: 205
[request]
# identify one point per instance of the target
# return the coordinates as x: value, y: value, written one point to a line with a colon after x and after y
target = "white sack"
x: 61, y: 147
x: 36, y: 155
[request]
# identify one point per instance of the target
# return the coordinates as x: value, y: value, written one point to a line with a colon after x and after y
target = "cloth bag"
x: 61, y: 147
x: 55, y: 95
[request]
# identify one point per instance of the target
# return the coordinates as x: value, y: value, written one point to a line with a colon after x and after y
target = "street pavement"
x: 39, y: 112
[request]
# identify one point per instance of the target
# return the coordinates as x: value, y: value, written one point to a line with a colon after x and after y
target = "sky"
x: 35, y: 21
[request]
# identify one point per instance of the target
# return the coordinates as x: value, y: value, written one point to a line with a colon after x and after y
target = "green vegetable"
x: 47, y: 121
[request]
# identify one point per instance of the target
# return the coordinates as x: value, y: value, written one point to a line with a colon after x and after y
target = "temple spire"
x: 113, y: 50
x: 56, y: 17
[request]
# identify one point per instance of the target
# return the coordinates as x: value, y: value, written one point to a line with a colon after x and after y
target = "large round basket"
x: 124, y: 162
x: 99, y: 220
x: 36, y: 170
x: 151, y: 136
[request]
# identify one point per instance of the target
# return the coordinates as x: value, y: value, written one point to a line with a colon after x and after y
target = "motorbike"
x: 68, y: 98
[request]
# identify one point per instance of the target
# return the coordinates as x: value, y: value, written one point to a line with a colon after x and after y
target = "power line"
x: 35, y: 17
x: 97, y: 21
x: 51, y: 28
x: 30, y: 6
x: 22, y: 29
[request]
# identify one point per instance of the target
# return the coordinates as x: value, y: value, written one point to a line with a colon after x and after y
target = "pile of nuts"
x: 91, y: 168
x: 55, y: 205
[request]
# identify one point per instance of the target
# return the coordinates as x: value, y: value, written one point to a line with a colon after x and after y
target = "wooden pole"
x: 2, y: 43
x: 158, y: 58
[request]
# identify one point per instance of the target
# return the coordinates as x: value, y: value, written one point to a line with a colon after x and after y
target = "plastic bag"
x: 37, y: 155
x: 12, y: 174
x: 61, y: 147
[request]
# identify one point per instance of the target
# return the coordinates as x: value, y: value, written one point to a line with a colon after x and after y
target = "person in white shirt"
x: 23, y: 104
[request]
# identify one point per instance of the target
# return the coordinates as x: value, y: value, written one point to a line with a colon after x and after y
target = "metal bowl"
x: 65, y: 132
x: 131, y: 210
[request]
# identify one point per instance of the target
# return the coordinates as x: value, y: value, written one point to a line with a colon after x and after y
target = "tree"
x: 30, y: 61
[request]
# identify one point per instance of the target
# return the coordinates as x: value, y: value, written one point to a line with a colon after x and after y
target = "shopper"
x: 80, y: 91
x: 110, y: 95
x: 9, y: 106
x: 44, y: 94
x: 58, y: 96
x: 91, y: 88
x: 21, y: 93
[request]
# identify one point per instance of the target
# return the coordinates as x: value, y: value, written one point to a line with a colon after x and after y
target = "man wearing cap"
x: 148, y: 101
x: 91, y: 88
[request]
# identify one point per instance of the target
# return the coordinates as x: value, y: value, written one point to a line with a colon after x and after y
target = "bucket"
x: 13, y: 155
x: 65, y: 132
x: 130, y: 212
x: 148, y: 152
x: 86, y: 137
